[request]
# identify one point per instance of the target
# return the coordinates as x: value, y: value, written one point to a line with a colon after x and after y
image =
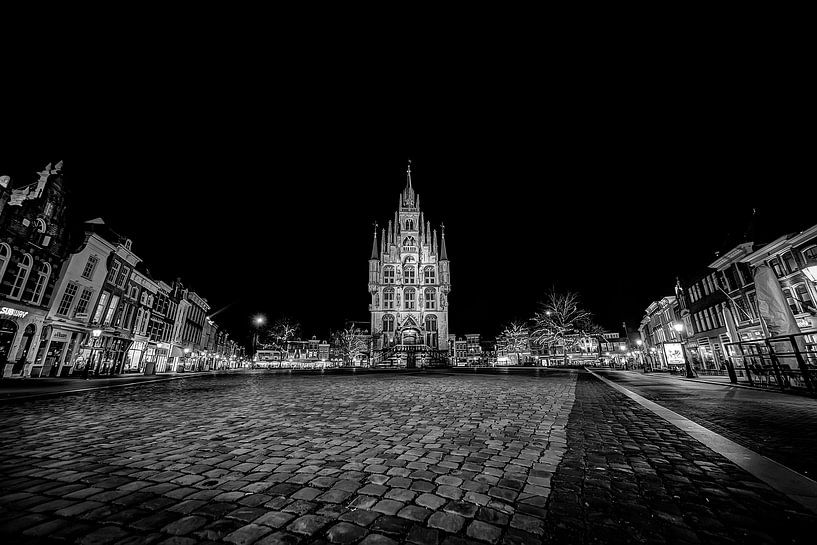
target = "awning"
x: 176, y: 352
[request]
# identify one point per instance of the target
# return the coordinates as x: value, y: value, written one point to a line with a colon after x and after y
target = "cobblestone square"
x: 372, y: 459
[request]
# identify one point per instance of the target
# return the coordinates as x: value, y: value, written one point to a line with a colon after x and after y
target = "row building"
x: 76, y: 298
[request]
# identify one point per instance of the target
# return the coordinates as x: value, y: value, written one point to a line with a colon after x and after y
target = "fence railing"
x: 786, y: 362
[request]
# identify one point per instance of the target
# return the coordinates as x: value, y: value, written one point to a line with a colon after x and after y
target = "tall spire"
x: 408, y: 175
x: 374, y: 244
x: 443, y: 252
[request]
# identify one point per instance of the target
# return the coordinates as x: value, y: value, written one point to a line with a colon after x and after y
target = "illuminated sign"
x: 674, y: 353
x: 13, y: 312
x: 803, y: 322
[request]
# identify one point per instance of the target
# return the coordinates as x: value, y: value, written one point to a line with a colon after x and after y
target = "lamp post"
x: 679, y: 327
x: 96, y: 333
x: 639, y: 343
x: 258, y: 321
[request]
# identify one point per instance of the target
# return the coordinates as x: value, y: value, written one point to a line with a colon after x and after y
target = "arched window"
x: 388, y: 298
x: 431, y: 330
x: 429, y: 277
x: 39, y: 235
x: 23, y: 270
x: 409, y: 275
x: 388, y: 323
x: 5, y: 257
x: 409, y: 299
x: 42, y: 280
x: 409, y: 225
x: 430, y: 299
x: 409, y: 242
x: 388, y: 275
x: 810, y: 254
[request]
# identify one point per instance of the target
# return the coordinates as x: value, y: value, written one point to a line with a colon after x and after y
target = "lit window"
x: 100, y: 307
x: 409, y: 299
x: 67, y: 299
x: 428, y: 275
x: 23, y: 270
x: 111, y: 309
x: 90, y: 267
x: 388, y: 298
x: 42, y: 279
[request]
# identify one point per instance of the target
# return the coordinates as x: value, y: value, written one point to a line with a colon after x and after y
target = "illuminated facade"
x: 409, y: 283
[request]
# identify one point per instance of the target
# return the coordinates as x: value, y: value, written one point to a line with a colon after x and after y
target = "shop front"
x: 134, y: 358
x: 18, y: 338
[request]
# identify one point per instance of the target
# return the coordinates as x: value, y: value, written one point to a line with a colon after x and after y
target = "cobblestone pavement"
x: 629, y: 476
x: 782, y: 427
x: 271, y: 459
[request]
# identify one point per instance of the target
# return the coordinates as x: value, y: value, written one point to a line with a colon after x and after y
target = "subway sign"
x: 6, y: 311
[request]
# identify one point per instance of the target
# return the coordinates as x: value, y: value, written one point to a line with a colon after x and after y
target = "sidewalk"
x: 21, y: 388
x: 721, y: 380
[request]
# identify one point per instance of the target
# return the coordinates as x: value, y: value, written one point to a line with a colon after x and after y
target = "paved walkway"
x: 375, y: 459
x: 780, y: 426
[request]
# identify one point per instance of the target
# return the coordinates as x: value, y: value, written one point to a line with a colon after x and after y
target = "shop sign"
x: 674, y: 353
x: 13, y: 312
x: 60, y: 336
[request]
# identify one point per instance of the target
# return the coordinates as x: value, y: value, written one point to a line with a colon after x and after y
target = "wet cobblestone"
x: 255, y: 459
x: 629, y: 476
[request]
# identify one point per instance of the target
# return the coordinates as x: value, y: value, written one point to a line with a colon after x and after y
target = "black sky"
x: 263, y: 195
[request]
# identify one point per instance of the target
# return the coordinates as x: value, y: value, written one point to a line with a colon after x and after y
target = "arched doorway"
x: 8, y: 330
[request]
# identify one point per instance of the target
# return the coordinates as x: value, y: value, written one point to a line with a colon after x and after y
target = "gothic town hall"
x: 409, y: 282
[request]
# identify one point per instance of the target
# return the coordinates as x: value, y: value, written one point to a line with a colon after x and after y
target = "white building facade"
x: 409, y: 283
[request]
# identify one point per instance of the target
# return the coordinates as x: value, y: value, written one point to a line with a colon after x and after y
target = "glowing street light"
x: 679, y: 328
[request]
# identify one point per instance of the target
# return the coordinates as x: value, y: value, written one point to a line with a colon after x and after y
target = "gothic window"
x: 23, y: 270
x: 431, y: 301
x: 388, y: 275
x: 42, y: 279
x: 388, y: 298
x: 431, y: 330
x: 388, y: 323
x: 408, y: 275
x: 90, y: 267
x: 409, y: 242
x: 409, y: 299
x: 428, y: 275
x: 39, y: 235
x: 5, y: 257
x: 409, y: 225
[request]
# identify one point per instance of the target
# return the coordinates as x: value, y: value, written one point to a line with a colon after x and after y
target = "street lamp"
x: 259, y: 320
x: 639, y: 343
x: 623, y: 349
x: 679, y: 328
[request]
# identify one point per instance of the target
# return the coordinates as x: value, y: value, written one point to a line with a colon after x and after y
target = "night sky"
x: 264, y: 199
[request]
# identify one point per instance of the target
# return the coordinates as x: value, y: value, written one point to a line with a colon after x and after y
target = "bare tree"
x: 515, y: 338
x: 350, y: 343
x: 563, y: 322
x: 280, y: 333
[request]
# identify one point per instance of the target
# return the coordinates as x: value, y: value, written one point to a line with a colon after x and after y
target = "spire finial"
x: 408, y: 173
